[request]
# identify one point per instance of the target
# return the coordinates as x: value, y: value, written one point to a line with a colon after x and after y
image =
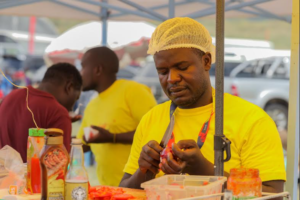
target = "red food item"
x: 103, y: 197
x: 165, y: 152
x: 205, y: 182
x: 35, y: 175
x: 104, y: 192
x: 122, y: 197
x: 92, y: 189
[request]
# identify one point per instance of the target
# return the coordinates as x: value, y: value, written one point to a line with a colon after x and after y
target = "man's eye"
x: 162, y: 72
x: 182, y: 68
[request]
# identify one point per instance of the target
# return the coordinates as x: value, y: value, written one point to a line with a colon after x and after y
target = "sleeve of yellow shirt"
x: 140, y: 100
x: 263, y: 150
x: 136, y: 148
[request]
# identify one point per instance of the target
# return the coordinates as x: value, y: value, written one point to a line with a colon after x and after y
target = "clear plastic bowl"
x: 183, y: 186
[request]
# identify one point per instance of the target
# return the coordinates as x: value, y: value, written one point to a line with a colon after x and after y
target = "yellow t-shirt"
x: 118, y: 109
x: 255, y: 141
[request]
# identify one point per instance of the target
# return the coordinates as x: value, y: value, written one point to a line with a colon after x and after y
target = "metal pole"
x: 293, y: 123
x: 171, y: 9
x: 104, y: 16
x: 219, y: 156
x: 32, y: 25
x: 146, y: 10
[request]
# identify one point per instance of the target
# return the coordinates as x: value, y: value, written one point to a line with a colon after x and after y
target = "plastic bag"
x: 12, y: 171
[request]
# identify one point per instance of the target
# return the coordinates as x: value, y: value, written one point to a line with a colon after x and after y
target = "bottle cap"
x: 76, y: 141
x: 54, y: 132
x: 36, y: 132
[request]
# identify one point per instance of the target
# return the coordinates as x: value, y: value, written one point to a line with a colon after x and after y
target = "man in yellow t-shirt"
x: 183, y: 53
x: 114, y: 113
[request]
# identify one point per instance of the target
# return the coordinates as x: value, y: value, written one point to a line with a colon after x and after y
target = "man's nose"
x: 173, y: 76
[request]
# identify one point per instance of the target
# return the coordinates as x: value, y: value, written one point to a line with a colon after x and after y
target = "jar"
x: 35, y: 145
x: 244, y: 183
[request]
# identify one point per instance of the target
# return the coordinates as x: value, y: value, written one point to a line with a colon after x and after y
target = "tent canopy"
x: 135, y: 10
x: 88, y: 35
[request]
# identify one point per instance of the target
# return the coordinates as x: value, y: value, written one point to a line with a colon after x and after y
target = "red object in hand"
x: 35, y: 175
x: 165, y: 152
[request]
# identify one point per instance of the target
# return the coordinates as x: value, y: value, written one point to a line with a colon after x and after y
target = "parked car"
x: 128, y: 72
x: 148, y: 76
x: 264, y: 82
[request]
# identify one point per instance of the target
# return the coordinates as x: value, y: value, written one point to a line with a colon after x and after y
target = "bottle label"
x: 55, y: 161
x: 76, y: 191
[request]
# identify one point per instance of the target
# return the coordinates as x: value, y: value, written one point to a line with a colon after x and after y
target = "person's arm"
x: 135, y: 94
x: 104, y: 136
x: 273, y: 187
x: 86, y: 148
x: 148, y: 166
x: 135, y: 180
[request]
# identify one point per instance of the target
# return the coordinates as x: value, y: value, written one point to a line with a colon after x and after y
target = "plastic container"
x: 35, y: 145
x: 245, y: 183
x: 183, y: 186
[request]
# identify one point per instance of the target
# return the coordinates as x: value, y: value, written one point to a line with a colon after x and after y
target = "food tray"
x: 171, y: 187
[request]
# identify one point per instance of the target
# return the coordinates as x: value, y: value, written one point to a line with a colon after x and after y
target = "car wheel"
x: 279, y: 113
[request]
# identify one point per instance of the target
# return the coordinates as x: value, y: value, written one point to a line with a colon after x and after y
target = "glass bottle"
x: 76, y: 185
x: 244, y: 183
x: 54, y: 161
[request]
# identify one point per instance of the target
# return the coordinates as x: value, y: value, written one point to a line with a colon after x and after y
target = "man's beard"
x: 196, y: 96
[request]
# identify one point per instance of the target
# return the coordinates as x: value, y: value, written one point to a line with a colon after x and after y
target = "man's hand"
x: 75, y: 118
x: 150, y: 157
x: 103, y: 136
x: 189, y: 159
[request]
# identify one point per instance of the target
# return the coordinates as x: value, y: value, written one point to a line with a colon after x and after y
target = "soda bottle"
x: 76, y: 184
x: 35, y: 145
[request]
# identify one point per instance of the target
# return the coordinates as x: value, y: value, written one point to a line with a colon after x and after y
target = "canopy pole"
x: 219, y: 83
x: 32, y: 24
x: 171, y: 9
x: 293, y: 123
x: 104, y: 17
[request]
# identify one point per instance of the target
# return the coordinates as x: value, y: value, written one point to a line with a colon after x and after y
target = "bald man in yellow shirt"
x: 114, y: 113
x: 183, y: 53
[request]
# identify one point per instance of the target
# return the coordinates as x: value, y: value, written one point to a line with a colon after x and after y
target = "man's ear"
x: 98, y: 70
x: 206, y: 59
x: 68, y: 87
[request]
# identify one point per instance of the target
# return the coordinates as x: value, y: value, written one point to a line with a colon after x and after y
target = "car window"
x: 123, y: 73
x: 149, y: 70
x: 282, y: 70
x: 228, y: 67
x: 6, y: 39
x: 33, y: 63
x: 248, y: 71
